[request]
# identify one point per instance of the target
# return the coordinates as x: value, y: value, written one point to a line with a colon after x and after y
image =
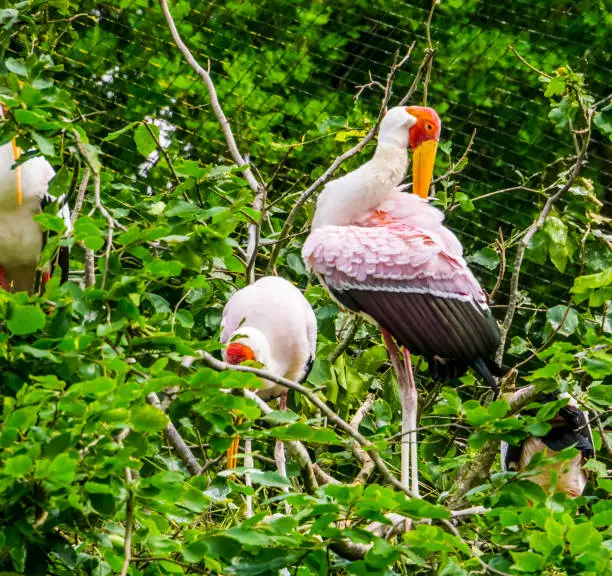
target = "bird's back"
x: 280, y: 312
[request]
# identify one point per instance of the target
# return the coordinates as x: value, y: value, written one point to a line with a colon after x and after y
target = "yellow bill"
x: 423, y: 160
x: 16, y: 154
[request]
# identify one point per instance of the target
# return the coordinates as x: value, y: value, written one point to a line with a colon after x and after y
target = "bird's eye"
x: 429, y: 126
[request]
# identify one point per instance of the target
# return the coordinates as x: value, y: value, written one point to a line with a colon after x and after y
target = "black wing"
x: 451, y: 333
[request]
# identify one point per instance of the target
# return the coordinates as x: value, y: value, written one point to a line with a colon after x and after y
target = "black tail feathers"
x: 490, y: 371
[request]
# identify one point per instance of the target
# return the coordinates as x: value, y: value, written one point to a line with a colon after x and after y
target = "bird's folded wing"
x: 412, y: 285
x: 397, y: 259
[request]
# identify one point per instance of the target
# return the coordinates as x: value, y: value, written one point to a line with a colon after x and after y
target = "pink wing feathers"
x: 402, y: 267
x: 388, y: 250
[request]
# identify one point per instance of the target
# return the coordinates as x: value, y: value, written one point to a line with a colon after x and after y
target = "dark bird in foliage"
x: 24, y: 193
x: 569, y: 428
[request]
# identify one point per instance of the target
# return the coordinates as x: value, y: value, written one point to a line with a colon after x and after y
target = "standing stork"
x: 272, y: 323
x: 569, y: 427
x: 23, y: 193
x: 387, y: 254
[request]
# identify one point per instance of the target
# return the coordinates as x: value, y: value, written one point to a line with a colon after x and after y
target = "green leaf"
x: 164, y: 269
x: 281, y: 417
x: 16, y: 66
x: 18, y: 465
x: 554, y: 316
x: 598, y: 365
x: 487, y: 257
x: 556, y: 87
x: 44, y: 145
x: 62, y: 469
x: 26, y: 319
x: 114, y: 135
x: 527, y: 561
x: 148, y: 419
x: 143, y: 139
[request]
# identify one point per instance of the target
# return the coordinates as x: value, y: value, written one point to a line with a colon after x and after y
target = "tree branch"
x: 129, y: 525
x: 257, y: 187
x: 181, y: 447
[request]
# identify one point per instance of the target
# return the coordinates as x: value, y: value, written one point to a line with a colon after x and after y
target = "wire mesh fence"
x: 286, y: 75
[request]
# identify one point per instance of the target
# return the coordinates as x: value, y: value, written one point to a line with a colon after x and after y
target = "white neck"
x: 350, y: 198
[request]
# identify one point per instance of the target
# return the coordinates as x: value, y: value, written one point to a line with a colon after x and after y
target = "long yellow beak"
x: 423, y: 160
x: 16, y: 154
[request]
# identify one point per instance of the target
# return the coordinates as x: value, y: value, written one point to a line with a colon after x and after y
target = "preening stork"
x: 387, y: 254
x: 569, y: 427
x: 23, y: 193
x: 272, y: 323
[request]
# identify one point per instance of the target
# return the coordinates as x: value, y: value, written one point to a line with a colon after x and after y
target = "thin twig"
x: 429, y: 54
x: 429, y: 48
x: 258, y: 188
x: 163, y: 151
x: 530, y: 66
x: 129, y: 525
x: 314, y: 399
x: 109, y: 245
x: 501, y: 246
x: 349, y: 334
x: 484, y: 565
x: 307, y: 194
x: 295, y: 448
x: 78, y: 204
x: 570, y: 302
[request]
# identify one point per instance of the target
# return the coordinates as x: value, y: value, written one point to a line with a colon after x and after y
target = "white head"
x: 395, y: 127
x: 247, y: 343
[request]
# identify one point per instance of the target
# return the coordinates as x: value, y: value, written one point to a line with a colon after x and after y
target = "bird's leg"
x: 248, y: 463
x: 410, y: 399
x: 232, y: 451
x: 401, y: 375
x: 279, y: 450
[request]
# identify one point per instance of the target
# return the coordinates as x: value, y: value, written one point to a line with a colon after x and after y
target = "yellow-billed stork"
x: 23, y: 193
x: 272, y: 323
x: 388, y: 255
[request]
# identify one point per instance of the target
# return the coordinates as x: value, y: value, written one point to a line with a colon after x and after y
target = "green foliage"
x: 78, y: 363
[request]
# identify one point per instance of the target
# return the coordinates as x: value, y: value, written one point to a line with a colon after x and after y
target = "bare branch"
x: 530, y: 66
x: 257, y: 187
x: 350, y: 332
x: 78, y: 204
x: 367, y: 464
x: 90, y: 268
x: 307, y: 194
x: 129, y: 525
x: 501, y: 246
x: 181, y: 447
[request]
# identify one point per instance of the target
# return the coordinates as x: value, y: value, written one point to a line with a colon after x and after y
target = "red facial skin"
x: 427, y: 127
x: 237, y: 353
